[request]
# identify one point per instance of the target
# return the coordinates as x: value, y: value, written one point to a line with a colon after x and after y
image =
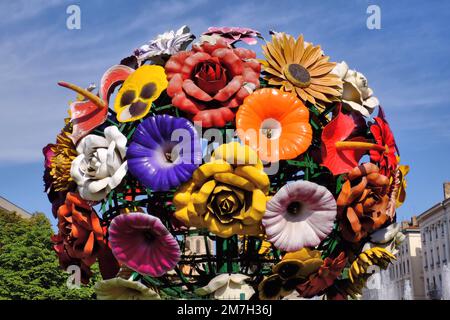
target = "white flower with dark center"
x: 165, y: 44
x: 100, y: 165
x: 356, y: 93
x: 301, y: 214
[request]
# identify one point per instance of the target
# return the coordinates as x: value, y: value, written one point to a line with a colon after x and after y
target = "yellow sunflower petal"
x: 321, y: 69
x: 298, y: 49
x: 315, y: 54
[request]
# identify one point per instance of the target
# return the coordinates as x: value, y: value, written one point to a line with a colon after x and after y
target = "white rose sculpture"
x: 100, y: 165
x: 356, y: 94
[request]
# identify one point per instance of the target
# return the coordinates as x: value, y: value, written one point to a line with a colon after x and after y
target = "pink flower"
x: 234, y: 34
x: 143, y: 243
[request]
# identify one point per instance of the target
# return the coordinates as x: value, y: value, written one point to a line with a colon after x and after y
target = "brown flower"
x: 64, y: 153
x: 80, y: 234
x: 323, y: 278
x: 362, y: 202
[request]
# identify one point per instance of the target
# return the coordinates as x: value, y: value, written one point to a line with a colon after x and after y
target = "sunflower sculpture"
x: 215, y: 175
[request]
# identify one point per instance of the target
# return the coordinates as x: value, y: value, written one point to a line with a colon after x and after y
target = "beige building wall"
x: 11, y: 207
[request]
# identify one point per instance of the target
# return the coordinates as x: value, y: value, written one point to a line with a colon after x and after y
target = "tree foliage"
x: 29, y: 268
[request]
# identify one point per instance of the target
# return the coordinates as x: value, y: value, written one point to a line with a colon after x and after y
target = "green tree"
x: 29, y: 267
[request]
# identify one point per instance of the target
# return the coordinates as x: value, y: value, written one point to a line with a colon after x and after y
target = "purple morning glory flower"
x: 164, y: 152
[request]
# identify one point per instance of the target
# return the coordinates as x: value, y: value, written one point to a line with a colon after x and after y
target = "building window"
x: 432, y: 258
x: 428, y: 283
x: 445, y: 253
x: 436, y: 232
x: 429, y: 234
x: 407, y: 249
x: 442, y: 231
x: 426, y: 259
x: 407, y: 265
x: 438, y: 261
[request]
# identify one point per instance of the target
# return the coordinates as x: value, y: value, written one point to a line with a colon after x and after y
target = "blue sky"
x: 407, y: 63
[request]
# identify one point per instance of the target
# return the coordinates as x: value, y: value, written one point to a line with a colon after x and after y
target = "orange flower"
x: 362, y: 202
x: 275, y: 124
x: 79, y: 231
x: 324, y: 277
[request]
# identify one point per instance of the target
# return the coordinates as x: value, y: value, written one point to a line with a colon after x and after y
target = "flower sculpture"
x: 300, y: 68
x: 157, y: 158
x: 228, y: 287
x: 64, y: 153
x: 211, y: 80
x: 356, y: 93
x: 100, y: 165
x: 213, y: 174
x: 165, y: 45
x: 142, y: 243
x: 287, y: 274
x: 227, y: 195
x: 383, y: 135
x: 80, y: 235
x: 123, y: 289
x: 301, y: 214
x: 282, y: 133
x: 138, y: 92
x: 232, y: 35
x: 362, y: 202
x: 323, y: 278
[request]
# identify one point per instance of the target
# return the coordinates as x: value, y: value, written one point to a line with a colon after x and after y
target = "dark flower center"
x: 149, y: 237
x: 297, y: 74
x: 272, y: 286
x: 288, y: 270
x: 295, y: 208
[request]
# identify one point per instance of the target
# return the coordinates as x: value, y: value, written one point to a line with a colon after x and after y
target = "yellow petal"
x: 234, y: 180
x: 257, y: 176
x: 200, y: 198
x: 206, y: 171
x: 236, y: 154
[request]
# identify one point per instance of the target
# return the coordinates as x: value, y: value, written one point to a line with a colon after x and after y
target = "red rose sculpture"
x: 212, y: 79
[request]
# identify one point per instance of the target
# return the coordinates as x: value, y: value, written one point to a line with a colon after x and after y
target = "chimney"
x: 446, y: 190
x: 414, y: 221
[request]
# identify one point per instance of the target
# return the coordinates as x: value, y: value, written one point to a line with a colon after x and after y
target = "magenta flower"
x: 234, y: 34
x: 143, y: 243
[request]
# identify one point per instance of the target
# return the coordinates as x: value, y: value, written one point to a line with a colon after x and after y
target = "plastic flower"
x: 143, y: 243
x: 277, y: 133
x: 164, y: 152
x: 123, y: 289
x: 386, y: 158
x: 375, y: 256
x: 63, y: 154
x: 211, y: 80
x: 401, y: 172
x: 228, y: 287
x: 301, y: 214
x: 227, y: 195
x: 323, y: 278
x: 341, y: 151
x: 79, y: 231
x: 100, y: 165
x: 301, y: 68
x: 90, y: 110
x: 362, y: 202
x: 388, y: 238
x: 235, y: 34
x: 138, y: 92
x: 356, y: 94
x: 164, y: 45
x: 294, y: 268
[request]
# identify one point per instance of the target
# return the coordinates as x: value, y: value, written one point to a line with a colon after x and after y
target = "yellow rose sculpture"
x: 227, y: 195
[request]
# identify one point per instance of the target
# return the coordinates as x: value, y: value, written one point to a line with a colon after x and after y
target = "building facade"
x: 434, y: 228
x: 11, y: 207
x: 406, y: 273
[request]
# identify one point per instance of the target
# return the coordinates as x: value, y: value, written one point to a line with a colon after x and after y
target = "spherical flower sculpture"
x: 212, y: 174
